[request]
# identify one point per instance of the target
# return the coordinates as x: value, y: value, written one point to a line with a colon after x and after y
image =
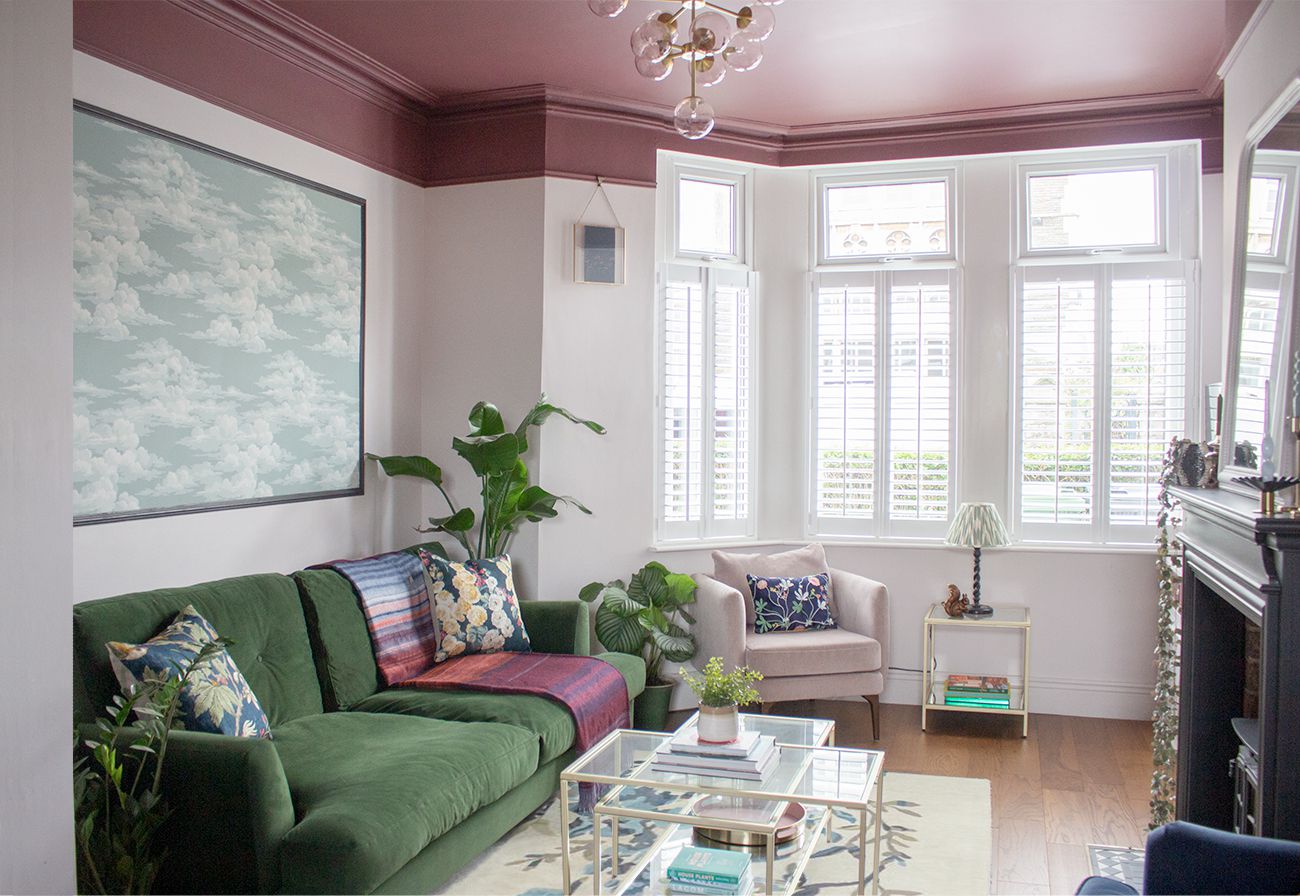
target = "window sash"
x: 1109, y: 407
x: 876, y: 410
x: 738, y: 181
x: 823, y: 187
x: 706, y: 470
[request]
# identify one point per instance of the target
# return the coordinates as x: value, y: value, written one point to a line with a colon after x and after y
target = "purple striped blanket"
x: 395, y: 601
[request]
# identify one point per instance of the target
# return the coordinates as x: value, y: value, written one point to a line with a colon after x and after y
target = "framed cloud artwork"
x: 219, y: 328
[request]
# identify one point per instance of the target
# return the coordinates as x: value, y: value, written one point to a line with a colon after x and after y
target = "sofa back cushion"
x: 261, y: 614
x: 340, y: 638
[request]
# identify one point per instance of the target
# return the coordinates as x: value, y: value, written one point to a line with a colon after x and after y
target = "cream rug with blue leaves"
x: 936, y: 837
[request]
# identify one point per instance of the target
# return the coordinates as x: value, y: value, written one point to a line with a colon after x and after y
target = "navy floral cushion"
x: 475, y: 607
x: 216, y: 699
x: 791, y: 605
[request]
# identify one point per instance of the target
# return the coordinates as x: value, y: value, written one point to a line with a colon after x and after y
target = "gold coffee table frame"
x: 812, y: 772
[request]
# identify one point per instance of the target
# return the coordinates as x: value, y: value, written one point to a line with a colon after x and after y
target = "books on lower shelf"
x: 978, y: 691
x: 750, y: 757
x: 699, y: 870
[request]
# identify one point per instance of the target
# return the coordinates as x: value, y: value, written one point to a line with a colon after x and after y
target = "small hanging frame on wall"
x: 599, y: 251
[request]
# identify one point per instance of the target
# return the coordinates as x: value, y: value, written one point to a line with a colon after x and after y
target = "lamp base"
x: 979, y: 610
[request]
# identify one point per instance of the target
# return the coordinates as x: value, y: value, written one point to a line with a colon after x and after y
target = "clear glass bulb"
x: 654, y: 69
x: 759, y: 20
x: 744, y: 55
x: 607, y: 8
x: 710, y: 71
x: 711, y: 32
x: 651, y: 40
x: 693, y: 118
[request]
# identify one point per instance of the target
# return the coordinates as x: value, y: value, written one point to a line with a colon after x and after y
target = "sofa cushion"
x: 731, y: 569
x: 822, y: 652
x: 344, y: 653
x: 550, y: 721
x: 370, y: 790
x: 260, y: 614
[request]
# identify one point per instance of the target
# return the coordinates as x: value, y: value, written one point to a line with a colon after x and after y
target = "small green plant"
x: 497, y: 458
x: 641, y: 617
x: 717, y: 687
x: 117, y: 787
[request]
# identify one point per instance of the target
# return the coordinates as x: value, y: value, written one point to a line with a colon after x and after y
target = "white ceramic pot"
x: 719, y: 724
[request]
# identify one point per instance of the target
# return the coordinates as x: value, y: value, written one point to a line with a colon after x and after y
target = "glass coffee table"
x: 810, y: 774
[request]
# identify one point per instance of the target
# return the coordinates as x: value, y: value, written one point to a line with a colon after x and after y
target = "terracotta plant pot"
x: 719, y: 724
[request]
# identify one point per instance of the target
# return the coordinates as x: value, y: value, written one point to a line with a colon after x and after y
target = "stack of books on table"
x: 749, y: 757
x: 718, y: 872
x: 983, y: 691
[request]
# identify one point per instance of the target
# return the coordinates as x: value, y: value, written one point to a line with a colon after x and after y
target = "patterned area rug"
x: 1120, y: 862
x: 936, y: 837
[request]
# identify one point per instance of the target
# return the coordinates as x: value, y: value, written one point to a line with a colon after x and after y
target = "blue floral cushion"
x: 216, y: 699
x: 791, y: 605
x: 475, y: 607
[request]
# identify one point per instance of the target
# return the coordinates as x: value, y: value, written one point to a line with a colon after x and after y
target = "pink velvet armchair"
x: 850, y: 660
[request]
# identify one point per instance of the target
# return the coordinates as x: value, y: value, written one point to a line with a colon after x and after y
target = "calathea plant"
x: 496, y: 455
x: 641, y: 617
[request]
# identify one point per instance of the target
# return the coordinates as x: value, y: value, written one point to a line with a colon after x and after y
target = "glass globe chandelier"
x: 710, y: 40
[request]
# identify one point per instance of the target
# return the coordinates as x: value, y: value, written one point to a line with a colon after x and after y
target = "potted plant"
x: 496, y: 456
x: 721, y: 694
x: 643, y: 618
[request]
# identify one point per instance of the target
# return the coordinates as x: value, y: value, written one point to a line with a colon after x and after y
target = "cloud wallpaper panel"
x: 218, y: 315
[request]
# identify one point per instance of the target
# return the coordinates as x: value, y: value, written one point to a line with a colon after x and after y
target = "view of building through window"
x: 706, y: 221
x: 887, y: 219
x: 1093, y: 209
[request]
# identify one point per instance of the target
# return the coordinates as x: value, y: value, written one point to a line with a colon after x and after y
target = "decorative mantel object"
x: 977, y: 525
x: 599, y: 250
x: 1164, y: 717
x: 707, y: 38
x: 956, y: 603
x: 217, y: 345
x: 1268, y: 489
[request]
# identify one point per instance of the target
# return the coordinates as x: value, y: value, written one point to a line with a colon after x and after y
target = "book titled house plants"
x: 721, y: 694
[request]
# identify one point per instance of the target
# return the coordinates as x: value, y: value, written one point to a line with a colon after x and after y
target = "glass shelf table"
x: 933, y: 681
x: 809, y: 771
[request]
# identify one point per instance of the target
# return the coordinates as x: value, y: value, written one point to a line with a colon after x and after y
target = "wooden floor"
x: 1072, y: 782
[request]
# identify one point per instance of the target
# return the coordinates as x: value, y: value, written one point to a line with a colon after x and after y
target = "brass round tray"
x: 747, y: 809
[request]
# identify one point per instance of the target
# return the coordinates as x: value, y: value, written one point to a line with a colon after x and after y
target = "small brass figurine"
x: 957, y: 603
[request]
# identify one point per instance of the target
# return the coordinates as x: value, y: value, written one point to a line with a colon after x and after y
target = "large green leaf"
x: 489, y: 455
x: 648, y: 586
x: 620, y: 603
x: 674, y: 642
x: 542, y: 411
x: 623, y: 634
x: 460, y: 521
x: 409, y: 465
x: 591, y: 591
x: 681, y: 589
x: 485, y: 420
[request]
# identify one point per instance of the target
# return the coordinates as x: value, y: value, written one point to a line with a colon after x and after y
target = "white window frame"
x: 1167, y: 244
x: 1288, y: 171
x: 741, y: 180
x: 822, y: 184
x: 1175, y: 234
x: 880, y: 525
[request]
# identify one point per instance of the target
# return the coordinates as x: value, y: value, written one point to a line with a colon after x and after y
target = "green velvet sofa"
x: 361, y: 789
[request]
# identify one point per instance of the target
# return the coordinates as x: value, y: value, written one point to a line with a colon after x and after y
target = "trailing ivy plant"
x: 496, y: 455
x: 117, y: 782
x: 1169, y: 622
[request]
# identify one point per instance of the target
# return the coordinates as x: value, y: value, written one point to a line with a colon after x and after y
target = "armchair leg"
x: 873, y: 700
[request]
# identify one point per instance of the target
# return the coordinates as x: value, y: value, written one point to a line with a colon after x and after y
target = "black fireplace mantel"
x: 1238, y: 567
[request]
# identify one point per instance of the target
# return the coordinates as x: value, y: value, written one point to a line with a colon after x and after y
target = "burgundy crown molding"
x: 262, y: 61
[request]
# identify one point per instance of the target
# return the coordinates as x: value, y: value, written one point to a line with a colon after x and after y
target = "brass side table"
x: 933, y: 680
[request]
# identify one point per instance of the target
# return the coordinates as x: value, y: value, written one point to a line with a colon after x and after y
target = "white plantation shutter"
x: 706, y: 398
x: 1256, y: 361
x: 1102, y: 389
x: 882, y: 388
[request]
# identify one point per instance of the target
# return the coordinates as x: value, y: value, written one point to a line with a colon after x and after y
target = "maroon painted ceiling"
x: 827, y: 61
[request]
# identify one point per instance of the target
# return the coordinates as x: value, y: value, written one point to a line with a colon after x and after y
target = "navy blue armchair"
x: 1187, y: 858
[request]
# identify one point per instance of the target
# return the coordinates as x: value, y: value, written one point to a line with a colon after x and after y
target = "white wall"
x: 112, y: 558
x: 36, y: 849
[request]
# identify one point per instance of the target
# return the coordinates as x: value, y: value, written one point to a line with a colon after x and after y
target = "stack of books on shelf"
x: 710, y: 872
x: 749, y: 757
x: 983, y: 691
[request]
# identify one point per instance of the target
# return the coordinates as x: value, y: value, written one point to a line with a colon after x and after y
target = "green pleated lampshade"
x: 977, y: 525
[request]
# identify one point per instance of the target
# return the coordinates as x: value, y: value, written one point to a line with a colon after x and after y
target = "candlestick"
x: 1267, y: 468
x: 1295, y: 386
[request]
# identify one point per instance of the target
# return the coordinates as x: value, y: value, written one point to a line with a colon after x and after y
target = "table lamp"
x: 977, y: 525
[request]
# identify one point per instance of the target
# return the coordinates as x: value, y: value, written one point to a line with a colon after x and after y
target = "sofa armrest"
x: 862, y: 607
x: 557, y: 626
x: 720, y: 628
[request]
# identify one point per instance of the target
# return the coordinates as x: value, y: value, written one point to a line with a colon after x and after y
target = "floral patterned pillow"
x: 791, y: 605
x: 475, y: 607
x: 217, y: 698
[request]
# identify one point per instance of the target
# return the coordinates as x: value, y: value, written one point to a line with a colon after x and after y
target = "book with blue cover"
x: 700, y: 865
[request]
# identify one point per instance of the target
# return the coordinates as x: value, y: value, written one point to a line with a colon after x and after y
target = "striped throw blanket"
x: 395, y: 601
x: 592, y: 689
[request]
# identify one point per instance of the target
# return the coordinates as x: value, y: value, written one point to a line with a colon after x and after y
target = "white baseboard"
x: 1054, y: 696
